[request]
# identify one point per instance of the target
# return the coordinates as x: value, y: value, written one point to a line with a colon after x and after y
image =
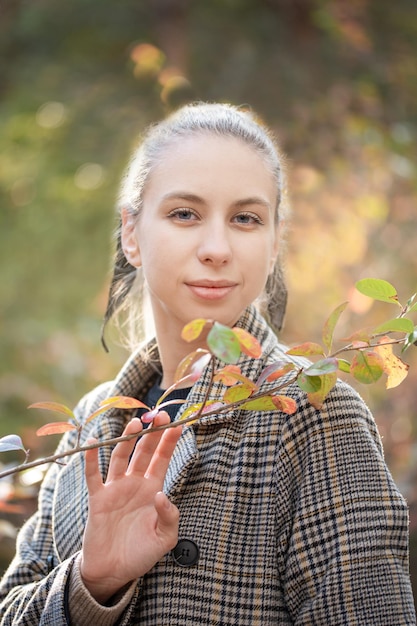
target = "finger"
x: 146, y: 447
x: 161, y: 458
x: 168, y: 518
x: 92, y: 473
x: 119, y: 460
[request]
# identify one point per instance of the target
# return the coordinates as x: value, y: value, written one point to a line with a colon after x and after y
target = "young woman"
x: 244, y: 518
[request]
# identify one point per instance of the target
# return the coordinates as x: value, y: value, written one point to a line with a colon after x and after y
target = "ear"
x: 130, y: 243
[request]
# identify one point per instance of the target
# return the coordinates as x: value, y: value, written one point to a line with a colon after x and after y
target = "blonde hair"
x: 126, y: 294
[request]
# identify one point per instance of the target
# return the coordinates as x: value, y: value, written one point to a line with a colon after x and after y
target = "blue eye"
x: 247, y: 219
x: 184, y: 215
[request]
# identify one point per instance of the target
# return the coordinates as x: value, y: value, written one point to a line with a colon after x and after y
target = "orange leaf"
x: 193, y: 330
x: 123, y: 402
x: 52, y: 406
x: 228, y: 375
x: 248, y: 344
x: 55, y: 428
x: 281, y: 372
x: 116, y: 402
x: 285, y: 404
x: 395, y: 369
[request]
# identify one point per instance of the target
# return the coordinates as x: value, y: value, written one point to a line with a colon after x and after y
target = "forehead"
x: 209, y: 163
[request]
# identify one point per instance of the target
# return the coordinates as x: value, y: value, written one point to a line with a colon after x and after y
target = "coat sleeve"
x: 35, y: 587
x: 31, y: 591
x: 346, y: 557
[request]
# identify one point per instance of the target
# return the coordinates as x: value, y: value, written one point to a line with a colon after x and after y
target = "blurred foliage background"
x: 336, y: 80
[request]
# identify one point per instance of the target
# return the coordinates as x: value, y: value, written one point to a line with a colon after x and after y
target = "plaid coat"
x: 297, y: 520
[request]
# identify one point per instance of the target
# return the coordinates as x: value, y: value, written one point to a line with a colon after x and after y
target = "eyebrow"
x: 191, y: 197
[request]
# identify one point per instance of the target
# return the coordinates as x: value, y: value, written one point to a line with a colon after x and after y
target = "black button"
x: 186, y: 553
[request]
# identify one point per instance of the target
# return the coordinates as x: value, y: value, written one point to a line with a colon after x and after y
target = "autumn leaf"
x: 223, y: 343
x: 55, y: 428
x: 248, y: 343
x: 274, y: 371
x: 211, y: 405
x: 317, y: 398
x: 395, y: 369
x: 186, y: 363
x: 367, y: 366
x: 309, y: 384
x: 193, y: 330
x: 229, y: 375
x: 271, y: 403
x: 237, y: 392
x: 344, y: 365
x: 116, y: 402
x: 306, y: 349
x: 324, y: 366
x: 285, y: 404
x: 330, y: 324
x: 53, y: 406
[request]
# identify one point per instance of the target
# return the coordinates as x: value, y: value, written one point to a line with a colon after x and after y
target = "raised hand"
x: 131, y: 523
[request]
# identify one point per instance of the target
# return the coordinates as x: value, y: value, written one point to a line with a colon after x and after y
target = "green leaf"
x: 236, y: 393
x: 367, y: 367
x: 223, y: 343
x: 330, y: 324
x: 11, y: 442
x: 344, y: 365
x: 306, y: 349
x: 317, y: 398
x: 413, y: 308
x: 324, y: 366
x: 410, y: 340
x: 309, y: 384
x: 378, y: 289
x: 399, y: 324
x: 271, y: 403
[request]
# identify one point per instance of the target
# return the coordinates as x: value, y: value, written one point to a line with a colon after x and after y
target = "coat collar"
x: 134, y: 379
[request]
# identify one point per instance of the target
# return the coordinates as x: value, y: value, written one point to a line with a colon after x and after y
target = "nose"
x: 215, y: 247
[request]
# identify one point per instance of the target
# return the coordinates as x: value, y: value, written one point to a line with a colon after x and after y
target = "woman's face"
x: 206, y: 237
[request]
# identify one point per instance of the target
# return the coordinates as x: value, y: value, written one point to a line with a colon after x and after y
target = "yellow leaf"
x: 395, y: 369
x: 52, y: 406
x: 193, y: 330
x: 248, y: 343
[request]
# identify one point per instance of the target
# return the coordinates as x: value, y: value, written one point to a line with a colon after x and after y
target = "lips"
x: 211, y: 289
